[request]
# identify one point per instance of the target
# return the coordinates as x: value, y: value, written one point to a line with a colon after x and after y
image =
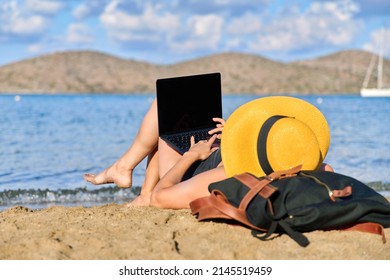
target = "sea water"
x: 47, y: 143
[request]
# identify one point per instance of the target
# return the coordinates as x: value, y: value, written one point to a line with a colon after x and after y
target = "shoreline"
x: 113, y: 232
x: 38, y: 199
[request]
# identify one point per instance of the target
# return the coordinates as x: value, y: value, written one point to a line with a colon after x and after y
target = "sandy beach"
x: 113, y: 232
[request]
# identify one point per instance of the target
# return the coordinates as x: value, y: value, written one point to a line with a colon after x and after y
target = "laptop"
x: 186, y: 106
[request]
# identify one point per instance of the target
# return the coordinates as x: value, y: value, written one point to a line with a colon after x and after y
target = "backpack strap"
x: 262, y: 187
x: 295, y: 235
x: 205, y: 207
x: 366, y: 227
x: 257, y: 187
x: 205, y: 210
x: 250, y: 180
x: 219, y: 200
x: 216, y: 205
x: 285, y: 173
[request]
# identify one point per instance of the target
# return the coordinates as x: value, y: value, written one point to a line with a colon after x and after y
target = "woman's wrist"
x: 192, y: 155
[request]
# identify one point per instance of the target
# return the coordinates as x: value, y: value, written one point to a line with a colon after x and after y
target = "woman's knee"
x: 167, y: 199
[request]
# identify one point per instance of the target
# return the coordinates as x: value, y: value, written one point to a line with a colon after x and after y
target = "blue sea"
x: 47, y: 143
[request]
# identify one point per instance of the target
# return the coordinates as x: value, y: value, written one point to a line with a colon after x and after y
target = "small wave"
x: 41, y: 198
x: 5, y: 174
x: 382, y: 188
x: 379, y: 186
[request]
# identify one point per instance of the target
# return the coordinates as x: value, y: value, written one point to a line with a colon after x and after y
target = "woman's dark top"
x: 201, y: 166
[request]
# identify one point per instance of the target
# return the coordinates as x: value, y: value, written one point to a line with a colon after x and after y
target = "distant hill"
x: 94, y: 72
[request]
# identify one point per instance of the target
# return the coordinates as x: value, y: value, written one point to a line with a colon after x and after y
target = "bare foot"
x: 141, y: 200
x: 112, y: 175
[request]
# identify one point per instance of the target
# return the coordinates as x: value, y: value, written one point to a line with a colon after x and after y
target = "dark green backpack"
x: 294, y: 202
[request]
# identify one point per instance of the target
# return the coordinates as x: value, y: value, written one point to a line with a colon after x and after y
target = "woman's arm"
x: 198, y: 151
x: 180, y: 195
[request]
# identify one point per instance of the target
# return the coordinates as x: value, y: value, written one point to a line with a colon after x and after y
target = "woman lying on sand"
x: 164, y: 186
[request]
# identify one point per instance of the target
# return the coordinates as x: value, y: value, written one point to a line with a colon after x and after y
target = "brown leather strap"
x: 346, y: 191
x: 210, y: 212
x: 205, y: 210
x: 262, y: 188
x: 217, y: 206
x: 285, y: 173
x: 218, y: 200
x: 367, y: 227
x: 253, y: 182
x: 197, y: 204
x: 247, y: 179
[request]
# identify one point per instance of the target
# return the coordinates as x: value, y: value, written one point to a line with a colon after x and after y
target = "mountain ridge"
x: 97, y: 72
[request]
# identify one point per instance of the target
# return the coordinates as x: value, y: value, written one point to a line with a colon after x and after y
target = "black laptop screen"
x: 189, y: 102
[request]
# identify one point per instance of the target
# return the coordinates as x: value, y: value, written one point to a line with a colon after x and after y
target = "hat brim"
x: 240, y: 134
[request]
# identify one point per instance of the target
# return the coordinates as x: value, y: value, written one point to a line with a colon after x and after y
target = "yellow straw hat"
x: 272, y: 134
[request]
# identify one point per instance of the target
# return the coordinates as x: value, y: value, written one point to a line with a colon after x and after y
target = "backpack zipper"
x: 330, y: 192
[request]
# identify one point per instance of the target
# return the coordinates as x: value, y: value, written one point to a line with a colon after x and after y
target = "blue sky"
x: 169, y: 31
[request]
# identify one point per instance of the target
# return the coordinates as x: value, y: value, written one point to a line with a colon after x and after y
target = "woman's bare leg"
x: 167, y: 157
x: 163, y: 159
x: 120, y: 173
x: 151, y: 180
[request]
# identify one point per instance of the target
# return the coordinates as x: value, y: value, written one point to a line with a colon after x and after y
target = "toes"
x: 90, y: 178
x: 101, y: 178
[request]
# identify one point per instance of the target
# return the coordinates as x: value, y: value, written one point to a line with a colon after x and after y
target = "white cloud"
x: 201, y: 32
x: 43, y: 6
x: 320, y: 25
x: 79, y: 34
x: 27, y: 25
x: 380, y: 38
x: 341, y: 10
x: 186, y: 28
x: 155, y: 25
x: 34, y: 48
x: 151, y: 25
x: 89, y: 8
x: 172, y: 27
x: 229, y: 8
x: 204, y: 26
x: 83, y: 10
x: 14, y: 21
x: 248, y: 23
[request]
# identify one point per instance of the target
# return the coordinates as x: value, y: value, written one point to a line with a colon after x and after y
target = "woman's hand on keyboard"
x: 220, y: 123
x: 204, y: 148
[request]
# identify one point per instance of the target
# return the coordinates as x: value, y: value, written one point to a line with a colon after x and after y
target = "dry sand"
x: 112, y: 232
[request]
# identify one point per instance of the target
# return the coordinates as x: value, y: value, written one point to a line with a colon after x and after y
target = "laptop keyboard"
x: 183, y: 141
